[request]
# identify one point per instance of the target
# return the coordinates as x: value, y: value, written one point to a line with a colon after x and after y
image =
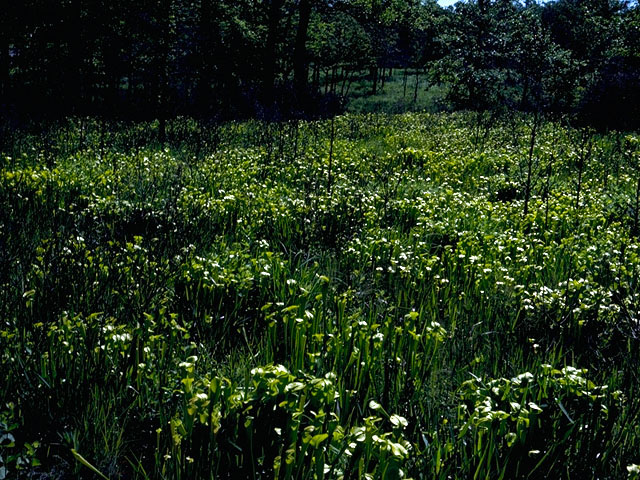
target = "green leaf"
x: 84, y: 462
x: 316, y: 440
x: 7, y: 440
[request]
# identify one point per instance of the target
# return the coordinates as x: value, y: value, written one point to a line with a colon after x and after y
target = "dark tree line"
x: 276, y: 58
x: 569, y: 56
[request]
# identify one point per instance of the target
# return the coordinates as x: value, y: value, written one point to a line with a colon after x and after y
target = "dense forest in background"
x: 273, y: 59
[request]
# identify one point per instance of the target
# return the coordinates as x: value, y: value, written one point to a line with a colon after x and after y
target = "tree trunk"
x: 334, y: 75
x: 81, y: 54
x: 7, y: 23
x: 130, y: 86
x: 525, y: 93
x: 274, y: 15
x: 326, y: 80
x: 164, y: 73
x: 346, y: 74
x: 374, y: 78
x: 404, y: 82
x: 300, y: 49
x: 4, y: 67
x: 349, y: 82
x: 316, y: 76
x: 207, y: 14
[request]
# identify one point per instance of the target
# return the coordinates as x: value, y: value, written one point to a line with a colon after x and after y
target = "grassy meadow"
x: 425, y: 296
x: 407, y: 90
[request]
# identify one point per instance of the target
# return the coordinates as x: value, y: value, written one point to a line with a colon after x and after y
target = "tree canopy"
x: 279, y: 58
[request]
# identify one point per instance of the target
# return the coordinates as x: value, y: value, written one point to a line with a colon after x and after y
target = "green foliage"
x: 14, y: 460
x: 536, y: 414
x: 167, y: 314
x: 280, y: 425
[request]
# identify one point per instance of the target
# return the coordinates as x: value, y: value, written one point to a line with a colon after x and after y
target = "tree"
x: 339, y: 46
x: 477, y: 65
x: 300, y: 72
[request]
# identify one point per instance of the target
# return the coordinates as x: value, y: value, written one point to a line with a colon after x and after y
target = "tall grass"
x: 211, y: 308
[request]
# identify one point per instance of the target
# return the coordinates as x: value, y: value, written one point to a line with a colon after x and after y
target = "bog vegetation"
x: 410, y: 296
x: 208, y: 269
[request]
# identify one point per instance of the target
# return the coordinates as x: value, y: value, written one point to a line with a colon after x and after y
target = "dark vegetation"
x: 278, y: 59
x: 219, y: 260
